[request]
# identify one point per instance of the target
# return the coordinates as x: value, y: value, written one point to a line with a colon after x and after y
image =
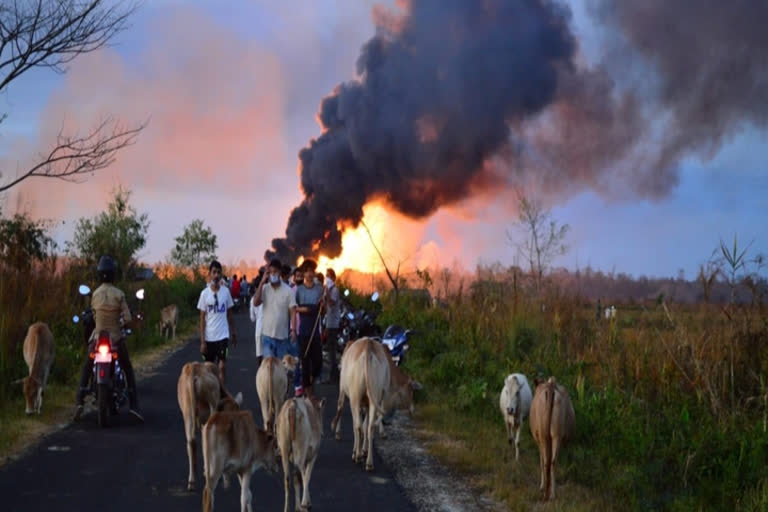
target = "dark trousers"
x: 125, y: 364
x: 332, y: 341
x: 312, y: 362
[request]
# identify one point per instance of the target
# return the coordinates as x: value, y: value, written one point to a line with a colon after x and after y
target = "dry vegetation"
x: 670, y: 400
x: 47, y: 291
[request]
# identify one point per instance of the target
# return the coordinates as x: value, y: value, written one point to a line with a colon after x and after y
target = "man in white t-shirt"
x: 216, y: 323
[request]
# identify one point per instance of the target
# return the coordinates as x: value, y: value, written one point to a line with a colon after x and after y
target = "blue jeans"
x: 273, y: 347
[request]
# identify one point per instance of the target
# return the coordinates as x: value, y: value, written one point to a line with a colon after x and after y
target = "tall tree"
x: 195, y: 246
x: 543, y: 239
x: 119, y: 232
x: 51, y: 34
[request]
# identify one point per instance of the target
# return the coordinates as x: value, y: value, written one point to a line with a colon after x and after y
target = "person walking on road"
x: 216, y: 322
x: 278, y: 316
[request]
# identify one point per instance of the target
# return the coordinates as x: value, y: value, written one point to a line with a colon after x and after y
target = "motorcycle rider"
x: 108, y: 304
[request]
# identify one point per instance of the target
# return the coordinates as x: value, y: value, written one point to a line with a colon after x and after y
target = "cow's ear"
x: 416, y: 385
x: 17, y: 382
x: 239, y: 398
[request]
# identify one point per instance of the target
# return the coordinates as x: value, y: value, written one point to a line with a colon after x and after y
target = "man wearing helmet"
x: 108, y: 304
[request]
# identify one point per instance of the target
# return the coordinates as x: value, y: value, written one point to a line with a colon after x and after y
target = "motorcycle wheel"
x: 102, y: 400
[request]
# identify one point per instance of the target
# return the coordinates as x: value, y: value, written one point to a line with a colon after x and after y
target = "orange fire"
x: 358, y: 251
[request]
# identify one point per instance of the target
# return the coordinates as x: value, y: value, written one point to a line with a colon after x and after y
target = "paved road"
x: 130, y: 465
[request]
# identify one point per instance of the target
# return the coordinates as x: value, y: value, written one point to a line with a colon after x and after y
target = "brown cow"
x: 552, y: 421
x: 299, y: 432
x: 200, y: 393
x: 233, y: 444
x: 272, y: 387
x: 39, y: 351
x: 169, y: 318
x: 365, y: 379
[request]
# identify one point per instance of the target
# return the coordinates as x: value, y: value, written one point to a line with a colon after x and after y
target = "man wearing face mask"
x: 278, y: 328
x: 216, y: 322
x: 332, y: 319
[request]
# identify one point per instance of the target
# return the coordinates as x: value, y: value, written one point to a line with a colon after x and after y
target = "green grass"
x: 660, y: 423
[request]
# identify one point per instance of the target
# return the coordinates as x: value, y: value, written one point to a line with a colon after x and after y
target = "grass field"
x: 670, y: 401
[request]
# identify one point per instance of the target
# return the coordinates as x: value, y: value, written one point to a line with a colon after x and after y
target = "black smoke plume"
x: 440, y: 88
x: 460, y: 96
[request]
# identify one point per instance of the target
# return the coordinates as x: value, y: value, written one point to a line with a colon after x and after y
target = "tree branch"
x: 52, y: 34
x: 74, y: 156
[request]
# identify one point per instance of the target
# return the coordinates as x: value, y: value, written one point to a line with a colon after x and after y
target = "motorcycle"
x: 396, y: 338
x: 108, y: 384
x: 356, y: 323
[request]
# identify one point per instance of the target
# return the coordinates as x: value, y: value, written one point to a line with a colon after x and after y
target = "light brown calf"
x: 272, y: 387
x: 299, y: 432
x: 233, y: 444
x: 200, y: 393
x: 169, y: 317
x: 39, y: 351
x: 552, y: 421
x: 365, y: 379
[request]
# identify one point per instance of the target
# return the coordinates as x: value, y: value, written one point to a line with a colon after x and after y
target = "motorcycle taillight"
x: 103, y: 347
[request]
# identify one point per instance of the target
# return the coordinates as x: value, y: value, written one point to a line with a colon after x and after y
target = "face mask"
x: 274, y: 278
x: 328, y: 282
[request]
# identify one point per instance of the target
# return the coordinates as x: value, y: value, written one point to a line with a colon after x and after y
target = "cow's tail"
x: 207, y: 498
x: 192, y: 393
x: 549, y: 396
x: 374, y: 401
x: 292, y: 421
x: 271, y: 413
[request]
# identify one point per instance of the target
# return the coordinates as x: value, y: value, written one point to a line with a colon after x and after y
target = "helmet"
x: 106, y: 269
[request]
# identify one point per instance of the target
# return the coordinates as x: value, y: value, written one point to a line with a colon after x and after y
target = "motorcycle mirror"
x: 140, y: 294
x: 350, y: 316
x: 75, y: 319
x: 346, y: 292
x: 375, y: 296
x: 84, y: 290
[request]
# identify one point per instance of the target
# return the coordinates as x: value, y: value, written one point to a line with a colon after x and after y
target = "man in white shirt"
x: 216, y: 322
x: 279, y: 312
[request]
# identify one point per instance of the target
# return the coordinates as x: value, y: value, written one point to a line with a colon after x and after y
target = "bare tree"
x: 543, y: 238
x: 395, y: 278
x: 50, y: 34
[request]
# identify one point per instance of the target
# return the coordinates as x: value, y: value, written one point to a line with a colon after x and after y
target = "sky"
x: 231, y: 96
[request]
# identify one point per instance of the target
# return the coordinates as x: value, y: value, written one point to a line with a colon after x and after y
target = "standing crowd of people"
x: 294, y: 309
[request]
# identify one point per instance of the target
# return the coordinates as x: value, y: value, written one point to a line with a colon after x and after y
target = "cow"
x: 299, y: 432
x: 365, y: 379
x: 552, y: 422
x: 200, y: 393
x: 272, y: 387
x: 39, y: 351
x: 399, y: 396
x: 169, y: 318
x: 515, y: 404
x: 232, y: 443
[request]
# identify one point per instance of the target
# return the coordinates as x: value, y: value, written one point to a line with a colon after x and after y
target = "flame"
x: 358, y: 251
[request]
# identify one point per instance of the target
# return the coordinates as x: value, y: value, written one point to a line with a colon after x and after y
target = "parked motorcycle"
x: 396, y: 338
x: 108, y: 384
x: 356, y: 323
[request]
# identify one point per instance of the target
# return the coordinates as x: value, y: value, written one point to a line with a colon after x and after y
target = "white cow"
x: 515, y: 404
